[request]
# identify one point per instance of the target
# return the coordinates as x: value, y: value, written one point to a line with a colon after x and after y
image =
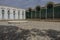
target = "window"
x: 8, y: 14
x: 14, y: 14
x: 2, y: 14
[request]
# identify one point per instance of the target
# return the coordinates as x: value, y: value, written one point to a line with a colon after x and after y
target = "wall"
x: 21, y: 14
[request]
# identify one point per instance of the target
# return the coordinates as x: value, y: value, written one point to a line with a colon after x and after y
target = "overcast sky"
x: 26, y: 3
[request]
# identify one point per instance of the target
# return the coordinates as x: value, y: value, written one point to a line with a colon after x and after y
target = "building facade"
x: 11, y: 13
x: 45, y: 12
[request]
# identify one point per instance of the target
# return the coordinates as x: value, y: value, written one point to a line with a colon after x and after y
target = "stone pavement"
x: 35, y: 24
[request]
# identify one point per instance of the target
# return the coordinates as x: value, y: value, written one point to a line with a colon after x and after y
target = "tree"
x: 30, y: 11
x: 38, y: 10
x: 49, y: 6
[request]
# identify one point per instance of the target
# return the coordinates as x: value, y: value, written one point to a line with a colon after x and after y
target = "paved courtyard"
x: 35, y: 24
x: 40, y: 25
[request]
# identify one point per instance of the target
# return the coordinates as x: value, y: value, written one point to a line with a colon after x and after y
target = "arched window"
x: 18, y: 14
x: 22, y: 12
x: 8, y: 14
x: 14, y: 14
x: 2, y: 14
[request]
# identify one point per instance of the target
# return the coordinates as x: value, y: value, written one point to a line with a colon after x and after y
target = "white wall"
x: 22, y: 11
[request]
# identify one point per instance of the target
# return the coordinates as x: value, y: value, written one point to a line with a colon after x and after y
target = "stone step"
x: 15, y: 22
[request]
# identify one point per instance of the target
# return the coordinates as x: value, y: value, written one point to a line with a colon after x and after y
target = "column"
x: 11, y: 14
x: 5, y: 14
x: 46, y: 12
x: 0, y: 14
x: 31, y: 14
x: 23, y: 14
x: 35, y: 13
x: 20, y: 14
x: 40, y: 13
x: 53, y: 11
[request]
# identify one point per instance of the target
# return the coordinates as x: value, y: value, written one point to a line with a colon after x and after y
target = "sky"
x: 26, y: 3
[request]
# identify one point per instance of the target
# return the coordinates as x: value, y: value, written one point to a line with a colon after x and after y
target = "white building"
x: 11, y: 13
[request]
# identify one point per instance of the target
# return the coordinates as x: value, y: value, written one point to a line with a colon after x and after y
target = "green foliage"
x: 37, y: 8
x: 30, y: 9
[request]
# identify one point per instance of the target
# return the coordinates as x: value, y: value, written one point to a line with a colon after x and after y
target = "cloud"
x: 26, y: 3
